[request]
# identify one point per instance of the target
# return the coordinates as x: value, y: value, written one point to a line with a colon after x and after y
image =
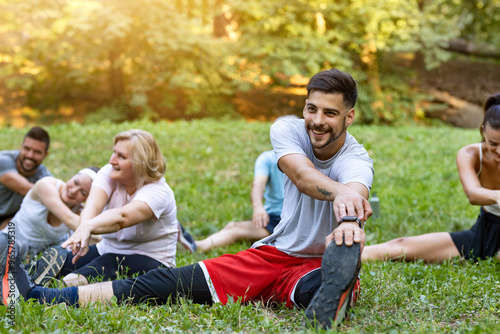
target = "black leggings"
x: 163, y: 284
x: 108, y: 266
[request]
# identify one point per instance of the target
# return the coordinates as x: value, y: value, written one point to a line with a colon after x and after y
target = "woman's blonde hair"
x: 148, y: 162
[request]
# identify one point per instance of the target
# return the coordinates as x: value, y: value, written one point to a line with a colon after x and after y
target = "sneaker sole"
x: 339, y: 271
x: 50, y: 264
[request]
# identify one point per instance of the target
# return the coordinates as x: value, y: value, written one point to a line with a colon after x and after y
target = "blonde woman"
x: 131, y: 205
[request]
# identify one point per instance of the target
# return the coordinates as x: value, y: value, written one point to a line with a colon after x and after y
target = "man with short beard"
x: 20, y: 169
x: 312, y: 259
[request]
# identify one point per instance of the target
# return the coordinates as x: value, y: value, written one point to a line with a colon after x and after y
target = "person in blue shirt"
x: 267, y: 202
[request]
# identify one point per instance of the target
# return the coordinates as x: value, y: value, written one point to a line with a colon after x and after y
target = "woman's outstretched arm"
x: 467, y: 164
x: 45, y: 191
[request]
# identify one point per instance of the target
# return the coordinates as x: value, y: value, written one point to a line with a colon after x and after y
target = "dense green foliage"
x: 210, y: 168
x: 156, y: 58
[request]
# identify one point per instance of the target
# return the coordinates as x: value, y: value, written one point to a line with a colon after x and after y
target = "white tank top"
x: 491, y: 208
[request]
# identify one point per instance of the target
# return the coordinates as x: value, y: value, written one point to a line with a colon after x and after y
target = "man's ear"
x: 349, y: 119
x: 304, y: 110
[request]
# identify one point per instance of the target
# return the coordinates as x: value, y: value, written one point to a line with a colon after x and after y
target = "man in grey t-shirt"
x: 328, y: 178
x: 20, y: 169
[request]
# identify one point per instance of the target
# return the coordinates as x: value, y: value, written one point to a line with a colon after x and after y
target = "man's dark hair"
x: 39, y: 134
x: 335, y: 81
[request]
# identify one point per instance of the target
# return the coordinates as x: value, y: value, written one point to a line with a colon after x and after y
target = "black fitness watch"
x: 352, y: 219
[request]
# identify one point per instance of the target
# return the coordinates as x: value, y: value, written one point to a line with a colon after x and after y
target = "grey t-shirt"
x: 305, y: 221
x: 10, y: 201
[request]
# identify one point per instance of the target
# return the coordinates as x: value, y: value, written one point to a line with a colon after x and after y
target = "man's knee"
x: 231, y: 226
x: 236, y: 229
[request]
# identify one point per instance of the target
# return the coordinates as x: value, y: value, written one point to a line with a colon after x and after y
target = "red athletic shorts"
x: 258, y: 274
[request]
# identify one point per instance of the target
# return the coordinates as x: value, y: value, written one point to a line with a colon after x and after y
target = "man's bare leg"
x: 102, y: 292
x: 75, y: 280
x: 231, y: 233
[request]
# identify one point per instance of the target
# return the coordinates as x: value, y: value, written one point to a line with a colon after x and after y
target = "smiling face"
x: 122, y: 163
x: 492, y: 140
x: 31, y: 155
x: 326, y: 120
x: 76, y: 190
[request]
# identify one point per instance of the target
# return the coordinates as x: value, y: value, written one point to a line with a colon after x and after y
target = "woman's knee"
x: 391, y: 249
x: 401, y: 241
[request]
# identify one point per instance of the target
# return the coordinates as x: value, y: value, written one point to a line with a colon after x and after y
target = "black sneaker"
x: 15, y: 280
x: 186, y: 240
x: 49, y: 265
x: 339, y: 273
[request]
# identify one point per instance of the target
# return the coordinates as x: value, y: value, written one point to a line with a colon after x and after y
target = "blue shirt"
x: 273, y: 194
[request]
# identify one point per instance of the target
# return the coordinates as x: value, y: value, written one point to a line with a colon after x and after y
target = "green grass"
x: 210, y: 168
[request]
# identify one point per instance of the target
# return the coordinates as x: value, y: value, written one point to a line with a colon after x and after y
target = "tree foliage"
x: 137, y: 57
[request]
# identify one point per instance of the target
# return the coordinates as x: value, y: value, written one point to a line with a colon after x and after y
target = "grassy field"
x: 210, y: 166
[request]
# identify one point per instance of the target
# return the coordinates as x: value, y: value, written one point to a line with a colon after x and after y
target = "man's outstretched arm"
x: 348, y: 199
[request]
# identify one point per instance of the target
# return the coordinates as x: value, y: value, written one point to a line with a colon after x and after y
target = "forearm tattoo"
x: 323, y: 192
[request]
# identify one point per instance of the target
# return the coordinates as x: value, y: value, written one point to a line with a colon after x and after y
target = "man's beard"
x: 21, y: 164
x: 333, y: 137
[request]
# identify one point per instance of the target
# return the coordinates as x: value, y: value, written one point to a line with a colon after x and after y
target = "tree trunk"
x: 458, y: 112
x: 370, y: 64
x: 116, y: 71
x: 220, y: 21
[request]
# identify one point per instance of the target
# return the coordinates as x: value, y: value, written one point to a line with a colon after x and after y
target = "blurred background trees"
x: 92, y: 60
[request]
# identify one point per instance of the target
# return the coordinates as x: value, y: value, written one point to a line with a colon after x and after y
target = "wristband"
x: 352, y: 219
